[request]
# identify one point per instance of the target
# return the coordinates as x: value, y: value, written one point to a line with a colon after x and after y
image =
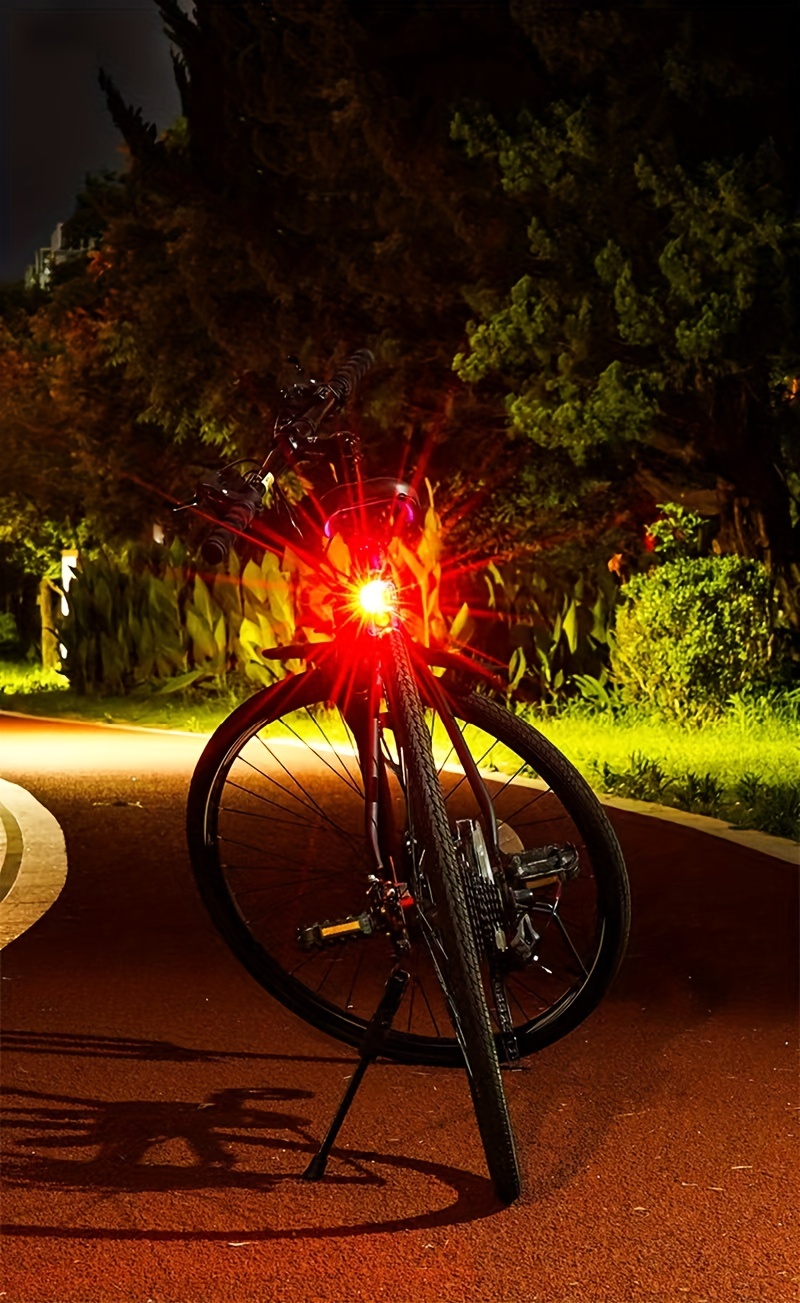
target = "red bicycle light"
x: 376, y: 597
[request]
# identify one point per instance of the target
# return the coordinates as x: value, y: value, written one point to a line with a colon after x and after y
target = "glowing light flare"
x: 376, y: 598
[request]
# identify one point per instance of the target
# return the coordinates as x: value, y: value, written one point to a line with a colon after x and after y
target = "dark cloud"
x: 56, y: 126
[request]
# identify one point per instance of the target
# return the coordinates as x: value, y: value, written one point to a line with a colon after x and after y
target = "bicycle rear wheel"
x: 445, y: 921
x: 275, y: 825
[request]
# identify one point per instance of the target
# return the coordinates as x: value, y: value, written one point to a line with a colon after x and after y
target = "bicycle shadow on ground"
x: 88, y: 1045
x: 713, y: 942
x: 70, y: 1145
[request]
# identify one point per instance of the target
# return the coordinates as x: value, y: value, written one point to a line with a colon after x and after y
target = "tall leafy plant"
x: 149, y: 618
x: 557, y: 626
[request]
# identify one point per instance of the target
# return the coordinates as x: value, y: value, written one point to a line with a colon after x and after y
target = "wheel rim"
x: 284, y: 841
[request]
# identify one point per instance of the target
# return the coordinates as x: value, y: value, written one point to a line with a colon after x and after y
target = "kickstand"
x: 370, y: 1048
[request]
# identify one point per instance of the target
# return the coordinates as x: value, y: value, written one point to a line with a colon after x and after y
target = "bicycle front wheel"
x: 276, y: 834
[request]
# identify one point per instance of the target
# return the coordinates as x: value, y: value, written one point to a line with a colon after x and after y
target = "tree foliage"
x: 308, y: 201
x: 82, y: 463
x: 607, y: 193
x: 648, y: 341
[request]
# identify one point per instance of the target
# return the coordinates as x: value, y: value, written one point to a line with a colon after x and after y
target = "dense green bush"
x: 692, y: 632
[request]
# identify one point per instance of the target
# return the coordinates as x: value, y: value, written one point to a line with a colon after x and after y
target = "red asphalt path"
x: 158, y: 1106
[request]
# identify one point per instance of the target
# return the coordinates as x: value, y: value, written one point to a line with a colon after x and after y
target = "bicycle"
x: 378, y: 833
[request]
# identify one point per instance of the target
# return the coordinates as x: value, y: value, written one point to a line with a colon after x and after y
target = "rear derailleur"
x: 500, y: 907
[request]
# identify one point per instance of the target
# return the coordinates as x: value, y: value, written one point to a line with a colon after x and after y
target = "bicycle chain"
x: 486, y: 918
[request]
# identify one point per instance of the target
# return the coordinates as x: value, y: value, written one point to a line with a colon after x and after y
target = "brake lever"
x: 296, y: 397
x: 186, y: 506
x: 220, y: 489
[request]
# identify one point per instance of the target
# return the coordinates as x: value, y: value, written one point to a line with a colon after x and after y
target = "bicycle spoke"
x: 308, y: 803
x: 345, y: 775
x: 349, y: 1002
x: 268, y: 868
x: 271, y: 819
x: 419, y: 986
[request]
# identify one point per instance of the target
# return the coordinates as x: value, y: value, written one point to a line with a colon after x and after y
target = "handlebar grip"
x: 351, y: 374
x: 217, y: 543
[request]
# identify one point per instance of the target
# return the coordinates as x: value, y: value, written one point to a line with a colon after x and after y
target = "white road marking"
x: 33, y: 861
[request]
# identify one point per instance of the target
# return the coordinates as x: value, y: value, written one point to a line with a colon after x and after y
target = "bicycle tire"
x: 460, y: 969
x: 257, y: 901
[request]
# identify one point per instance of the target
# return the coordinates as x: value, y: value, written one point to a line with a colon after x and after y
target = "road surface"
x: 158, y: 1107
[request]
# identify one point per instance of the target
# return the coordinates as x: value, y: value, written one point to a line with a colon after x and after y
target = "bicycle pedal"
x: 542, y: 867
x: 335, y: 931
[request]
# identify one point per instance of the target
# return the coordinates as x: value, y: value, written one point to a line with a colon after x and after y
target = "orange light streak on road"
x: 43, y: 746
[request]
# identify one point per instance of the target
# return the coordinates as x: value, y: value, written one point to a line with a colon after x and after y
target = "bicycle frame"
x: 368, y: 732
x: 370, y: 560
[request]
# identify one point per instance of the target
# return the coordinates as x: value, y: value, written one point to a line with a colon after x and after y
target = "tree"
x: 82, y: 464
x: 648, y: 343
x: 624, y: 248
x: 309, y: 201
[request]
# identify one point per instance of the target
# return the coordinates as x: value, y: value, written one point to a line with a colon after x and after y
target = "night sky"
x: 55, y: 124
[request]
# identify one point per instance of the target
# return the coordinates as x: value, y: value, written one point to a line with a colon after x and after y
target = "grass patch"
x: 743, y: 768
x: 33, y: 691
x: 22, y: 678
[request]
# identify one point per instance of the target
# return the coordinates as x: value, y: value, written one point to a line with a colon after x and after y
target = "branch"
x: 140, y: 136
x: 177, y: 24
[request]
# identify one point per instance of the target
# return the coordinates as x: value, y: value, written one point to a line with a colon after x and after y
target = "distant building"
x: 46, y: 259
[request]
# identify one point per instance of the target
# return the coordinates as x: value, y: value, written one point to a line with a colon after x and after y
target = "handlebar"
x: 351, y: 375
x: 238, y: 507
x: 217, y: 543
x: 300, y: 432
